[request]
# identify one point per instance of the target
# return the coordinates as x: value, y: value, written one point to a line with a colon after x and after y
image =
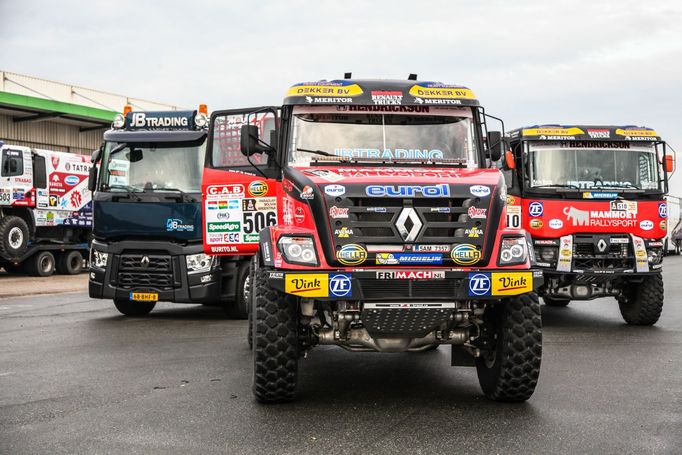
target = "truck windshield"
x: 633, y: 167
x: 138, y: 167
x: 366, y: 133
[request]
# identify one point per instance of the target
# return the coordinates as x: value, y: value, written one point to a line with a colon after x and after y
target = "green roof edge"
x: 32, y: 102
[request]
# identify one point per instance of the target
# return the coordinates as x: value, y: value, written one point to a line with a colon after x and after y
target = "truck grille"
x: 145, y: 270
x: 588, y: 254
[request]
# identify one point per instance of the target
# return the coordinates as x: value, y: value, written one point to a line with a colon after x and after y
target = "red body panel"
x: 559, y: 217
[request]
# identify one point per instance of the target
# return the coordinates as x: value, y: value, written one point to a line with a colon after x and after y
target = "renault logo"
x: 408, y: 224
x: 601, y: 245
x: 144, y: 262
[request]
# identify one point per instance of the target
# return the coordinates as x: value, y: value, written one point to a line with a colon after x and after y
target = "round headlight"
x: 506, y: 255
x: 119, y: 121
x: 294, y: 250
x: 200, y: 120
x: 516, y: 251
x: 548, y: 254
x: 308, y: 255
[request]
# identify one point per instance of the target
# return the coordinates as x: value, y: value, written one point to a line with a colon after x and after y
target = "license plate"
x: 144, y: 296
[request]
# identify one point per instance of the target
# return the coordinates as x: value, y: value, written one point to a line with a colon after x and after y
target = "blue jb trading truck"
x: 147, y: 246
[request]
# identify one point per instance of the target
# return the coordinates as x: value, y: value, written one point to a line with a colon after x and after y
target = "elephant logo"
x: 578, y: 217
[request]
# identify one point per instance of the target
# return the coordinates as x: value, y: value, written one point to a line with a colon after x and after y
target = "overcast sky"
x: 529, y: 62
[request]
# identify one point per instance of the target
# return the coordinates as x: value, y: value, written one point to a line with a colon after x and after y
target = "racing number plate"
x: 144, y: 296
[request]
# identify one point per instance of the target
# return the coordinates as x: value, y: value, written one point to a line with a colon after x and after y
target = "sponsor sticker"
x: 335, y: 190
x: 411, y: 275
x: 408, y: 258
x: 71, y: 180
x: 646, y: 225
x: 556, y: 223
x: 511, y: 283
x: 663, y: 225
x: 465, y: 254
x: 307, y: 193
x: 599, y: 195
x: 475, y: 212
x: 338, y: 212
x: 663, y: 210
x: 351, y: 254
x: 228, y: 226
x: 440, y: 190
x: 535, y: 209
x: 479, y: 284
x: 340, y: 285
x: 535, y: 223
x: 307, y: 285
x: 258, y: 188
x: 474, y: 232
x: 480, y: 190
x: 224, y: 191
x: 387, y: 97
x: 343, y: 233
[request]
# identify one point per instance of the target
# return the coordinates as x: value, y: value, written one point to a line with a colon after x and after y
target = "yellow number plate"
x: 144, y: 296
x: 512, y: 283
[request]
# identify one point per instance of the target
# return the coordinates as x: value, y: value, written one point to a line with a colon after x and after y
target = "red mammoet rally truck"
x: 378, y: 224
x: 592, y: 197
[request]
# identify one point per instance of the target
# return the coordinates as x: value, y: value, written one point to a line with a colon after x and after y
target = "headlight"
x: 199, y: 262
x: 513, y: 251
x: 655, y: 256
x: 98, y: 259
x: 547, y: 253
x: 119, y: 121
x: 298, y: 250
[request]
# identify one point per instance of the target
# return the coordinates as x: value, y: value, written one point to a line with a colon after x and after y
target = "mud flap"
x: 461, y: 357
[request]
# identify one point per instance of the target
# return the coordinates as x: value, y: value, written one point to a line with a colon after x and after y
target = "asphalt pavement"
x: 76, y: 377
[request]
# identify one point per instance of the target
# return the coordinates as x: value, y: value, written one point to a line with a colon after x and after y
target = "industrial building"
x: 44, y: 114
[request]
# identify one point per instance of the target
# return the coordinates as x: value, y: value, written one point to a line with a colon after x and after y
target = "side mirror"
x: 669, y: 163
x: 92, y: 178
x: 96, y: 155
x: 495, y: 145
x: 509, y: 160
x: 248, y: 141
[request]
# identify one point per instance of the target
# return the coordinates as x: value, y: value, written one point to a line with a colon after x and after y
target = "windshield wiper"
x: 126, y: 188
x: 184, y: 197
x: 558, y: 185
x: 118, y: 148
x: 318, y: 152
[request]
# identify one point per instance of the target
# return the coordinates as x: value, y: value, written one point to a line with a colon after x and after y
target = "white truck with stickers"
x: 45, y: 210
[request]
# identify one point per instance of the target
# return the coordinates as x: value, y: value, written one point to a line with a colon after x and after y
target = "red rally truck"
x: 378, y: 224
x: 593, y: 199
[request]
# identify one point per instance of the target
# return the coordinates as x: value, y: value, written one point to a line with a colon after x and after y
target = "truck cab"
x: 383, y: 229
x: 593, y: 199
x: 147, y: 243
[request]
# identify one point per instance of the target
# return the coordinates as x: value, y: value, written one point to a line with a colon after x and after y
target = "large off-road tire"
x: 130, y: 308
x: 555, y: 301
x: 275, y: 343
x: 40, y: 264
x: 70, y: 263
x: 510, y: 372
x: 642, y: 303
x: 14, y: 236
x: 238, y: 309
x: 250, y: 299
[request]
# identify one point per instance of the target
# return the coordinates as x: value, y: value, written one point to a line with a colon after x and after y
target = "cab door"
x: 16, y: 179
x: 240, y: 193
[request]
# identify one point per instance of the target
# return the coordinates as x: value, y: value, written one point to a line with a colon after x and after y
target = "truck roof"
x: 157, y: 126
x: 380, y: 92
x: 584, y: 133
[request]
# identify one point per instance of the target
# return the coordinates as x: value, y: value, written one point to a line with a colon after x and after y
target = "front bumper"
x: 407, y: 285
x: 180, y: 286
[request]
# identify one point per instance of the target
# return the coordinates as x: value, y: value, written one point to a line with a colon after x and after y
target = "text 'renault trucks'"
x: 45, y: 210
x: 378, y: 225
x: 592, y: 197
x: 147, y: 213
